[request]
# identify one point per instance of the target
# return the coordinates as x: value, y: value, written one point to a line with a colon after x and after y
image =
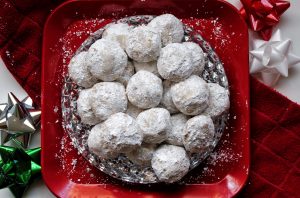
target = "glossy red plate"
x: 67, y: 174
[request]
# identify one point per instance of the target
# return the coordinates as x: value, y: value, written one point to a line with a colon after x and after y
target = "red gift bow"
x: 262, y: 15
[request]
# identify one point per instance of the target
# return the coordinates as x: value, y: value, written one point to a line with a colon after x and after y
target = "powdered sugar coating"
x: 175, y: 62
x: 150, y: 67
x: 117, y: 32
x: 84, y: 107
x: 143, y: 155
x: 144, y: 90
x: 122, y: 166
x: 133, y: 111
x: 127, y: 74
x: 99, y: 143
x: 198, y: 134
x: 170, y: 28
x: 166, y: 100
x: 118, y: 134
x: 143, y: 44
x: 108, y: 98
x: 170, y: 163
x: 106, y: 60
x: 154, y: 123
x: 191, y: 95
x: 175, y: 134
x: 198, y: 59
x: 218, y: 100
x: 79, y: 72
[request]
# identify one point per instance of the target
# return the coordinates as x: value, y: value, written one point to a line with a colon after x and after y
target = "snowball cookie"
x: 150, y: 67
x: 84, y: 107
x: 199, y: 132
x: 218, y: 100
x: 108, y: 98
x: 170, y: 28
x: 175, y: 62
x: 198, y: 59
x: 191, y: 95
x: 133, y: 111
x: 143, y: 155
x: 154, y: 123
x: 175, y: 134
x: 106, y: 60
x: 143, y: 44
x: 118, y: 134
x: 99, y: 143
x: 117, y: 32
x: 79, y: 72
x: 166, y: 100
x: 144, y: 90
x: 170, y: 163
x: 127, y: 73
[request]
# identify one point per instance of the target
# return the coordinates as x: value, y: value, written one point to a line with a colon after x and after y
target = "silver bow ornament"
x: 18, y: 120
x: 271, y: 59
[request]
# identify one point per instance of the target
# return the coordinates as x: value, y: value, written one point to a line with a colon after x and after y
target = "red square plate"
x: 68, y: 175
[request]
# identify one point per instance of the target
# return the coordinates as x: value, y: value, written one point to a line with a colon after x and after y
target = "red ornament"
x: 262, y: 15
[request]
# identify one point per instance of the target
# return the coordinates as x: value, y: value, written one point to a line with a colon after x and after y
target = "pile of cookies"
x: 145, y: 98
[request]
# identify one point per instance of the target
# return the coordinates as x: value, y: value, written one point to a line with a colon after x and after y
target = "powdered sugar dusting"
x: 226, y: 155
x: 80, y: 170
x: 216, y: 31
x: 221, y: 156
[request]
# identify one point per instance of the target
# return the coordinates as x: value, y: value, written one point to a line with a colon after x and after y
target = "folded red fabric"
x: 275, y: 120
x: 275, y: 144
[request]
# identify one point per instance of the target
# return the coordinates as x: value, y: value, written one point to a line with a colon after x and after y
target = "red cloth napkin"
x: 275, y: 120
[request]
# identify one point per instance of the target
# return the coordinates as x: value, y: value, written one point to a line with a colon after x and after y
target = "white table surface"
x: 289, y: 87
